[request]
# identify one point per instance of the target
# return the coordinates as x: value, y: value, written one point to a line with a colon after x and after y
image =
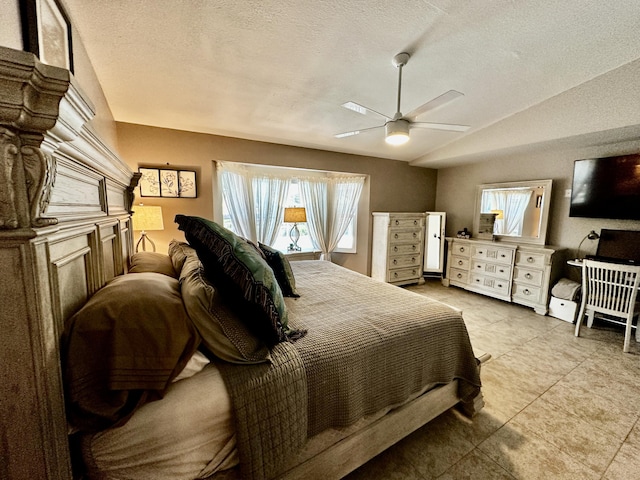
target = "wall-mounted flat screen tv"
x: 606, y: 188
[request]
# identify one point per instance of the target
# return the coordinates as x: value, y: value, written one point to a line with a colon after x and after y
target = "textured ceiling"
x: 278, y: 71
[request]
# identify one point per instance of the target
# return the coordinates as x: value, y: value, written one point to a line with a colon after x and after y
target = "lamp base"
x: 294, y: 235
x: 143, y: 240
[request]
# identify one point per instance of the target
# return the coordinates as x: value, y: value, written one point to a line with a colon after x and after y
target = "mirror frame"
x: 541, y: 239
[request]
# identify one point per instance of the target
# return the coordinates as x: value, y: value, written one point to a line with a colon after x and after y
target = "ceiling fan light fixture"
x: 397, y: 132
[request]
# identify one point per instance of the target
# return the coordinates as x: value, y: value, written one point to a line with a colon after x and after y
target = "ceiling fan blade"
x: 433, y: 104
x: 441, y: 126
x: 362, y: 110
x: 355, y: 132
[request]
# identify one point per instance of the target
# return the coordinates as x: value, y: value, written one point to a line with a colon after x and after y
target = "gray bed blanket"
x: 369, y: 345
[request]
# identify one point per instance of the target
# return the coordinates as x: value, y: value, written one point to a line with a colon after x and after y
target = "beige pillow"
x: 178, y: 253
x: 222, y: 332
x: 142, y: 262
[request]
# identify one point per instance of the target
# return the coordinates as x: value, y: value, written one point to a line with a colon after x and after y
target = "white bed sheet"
x: 188, y: 434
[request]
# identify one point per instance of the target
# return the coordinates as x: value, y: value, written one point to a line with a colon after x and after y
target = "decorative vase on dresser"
x: 397, y: 247
x: 513, y: 272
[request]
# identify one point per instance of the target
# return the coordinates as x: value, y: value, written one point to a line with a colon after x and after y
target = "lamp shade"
x: 295, y: 215
x: 147, y: 218
x: 499, y: 214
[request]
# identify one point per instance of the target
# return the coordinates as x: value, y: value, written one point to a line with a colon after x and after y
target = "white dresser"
x: 397, y: 247
x: 512, y: 272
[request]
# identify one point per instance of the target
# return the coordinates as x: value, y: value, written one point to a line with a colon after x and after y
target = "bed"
x: 65, y: 237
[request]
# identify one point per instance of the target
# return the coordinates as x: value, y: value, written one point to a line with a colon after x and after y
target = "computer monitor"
x: 621, y: 245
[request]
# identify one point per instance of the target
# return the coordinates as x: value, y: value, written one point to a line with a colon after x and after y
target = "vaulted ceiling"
x: 534, y: 73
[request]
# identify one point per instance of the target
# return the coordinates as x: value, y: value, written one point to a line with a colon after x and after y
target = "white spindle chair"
x: 611, y: 289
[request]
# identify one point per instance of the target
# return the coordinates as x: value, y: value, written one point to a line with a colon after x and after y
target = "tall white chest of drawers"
x: 512, y: 272
x: 397, y: 247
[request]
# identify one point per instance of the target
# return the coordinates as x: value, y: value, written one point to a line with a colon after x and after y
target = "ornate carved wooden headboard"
x: 65, y: 201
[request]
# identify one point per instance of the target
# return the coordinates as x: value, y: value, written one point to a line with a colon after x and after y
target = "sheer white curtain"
x: 269, y: 196
x: 331, y: 203
x: 255, y: 201
x: 513, y: 204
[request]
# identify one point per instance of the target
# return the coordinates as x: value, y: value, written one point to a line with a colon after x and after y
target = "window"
x: 283, y: 240
x: 338, y: 196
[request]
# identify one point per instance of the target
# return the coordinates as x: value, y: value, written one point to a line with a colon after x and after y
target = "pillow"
x: 282, y: 269
x: 152, y: 262
x: 195, y: 364
x: 123, y: 348
x: 243, y: 278
x: 222, y: 332
x: 178, y: 253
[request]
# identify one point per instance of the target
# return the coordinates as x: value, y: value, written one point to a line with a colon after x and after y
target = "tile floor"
x: 556, y: 406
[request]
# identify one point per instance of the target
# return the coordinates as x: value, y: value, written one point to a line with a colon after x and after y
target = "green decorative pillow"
x: 142, y: 262
x: 243, y: 278
x: 282, y: 269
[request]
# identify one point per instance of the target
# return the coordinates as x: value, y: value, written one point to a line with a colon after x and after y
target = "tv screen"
x: 606, y: 188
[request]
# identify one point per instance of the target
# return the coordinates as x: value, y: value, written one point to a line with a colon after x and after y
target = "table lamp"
x: 295, y: 215
x: 146, y: 218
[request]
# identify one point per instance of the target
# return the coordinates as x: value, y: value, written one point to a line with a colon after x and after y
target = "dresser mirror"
x: 521, y: 210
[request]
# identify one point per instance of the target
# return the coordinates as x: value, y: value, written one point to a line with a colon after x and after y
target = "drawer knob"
x: 397, y: 222
x: 462, y: 249
x: 413, y: 271
x: 480, y: 252
x: 395, y: 249
x: 395, y: 274
x: 503, y: 255
x: 460, y: 262
x: 415, y: 222
x: 531, y: 259
x: 528, y: 276
x: 395, y: 262
x: 499, y: 285
x: 413, y: 246
x: 459, y: 275
x: 501, y: 270
x: 415, y: 234
x: 395, y: 236
x: 413, y: 259
x: 526, y: 291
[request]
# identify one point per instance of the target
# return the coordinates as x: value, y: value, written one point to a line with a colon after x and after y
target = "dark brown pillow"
x: 142, y: 262
x: 123, y: 348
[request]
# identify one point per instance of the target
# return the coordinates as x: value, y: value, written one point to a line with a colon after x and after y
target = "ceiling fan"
x: 397, y: 127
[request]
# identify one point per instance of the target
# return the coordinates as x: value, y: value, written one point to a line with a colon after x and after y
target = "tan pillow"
x: 142, y: 262
x: 123, y: 347
x: 178, y: 253
x: 222, y: 332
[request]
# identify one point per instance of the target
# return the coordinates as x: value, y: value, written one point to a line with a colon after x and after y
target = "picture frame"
x: 149, y: 182
x: 46, y: 32
x: 167, y: 183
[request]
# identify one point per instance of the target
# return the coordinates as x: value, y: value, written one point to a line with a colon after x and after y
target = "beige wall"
x: 10, y: 30
x: 393, y: 185
x: 456, y: 193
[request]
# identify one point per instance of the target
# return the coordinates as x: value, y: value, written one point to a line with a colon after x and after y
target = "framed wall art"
x: 46, y: 32
x: 158, y: 182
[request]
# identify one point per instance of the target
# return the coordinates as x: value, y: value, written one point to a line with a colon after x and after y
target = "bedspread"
x: 369, y: 345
